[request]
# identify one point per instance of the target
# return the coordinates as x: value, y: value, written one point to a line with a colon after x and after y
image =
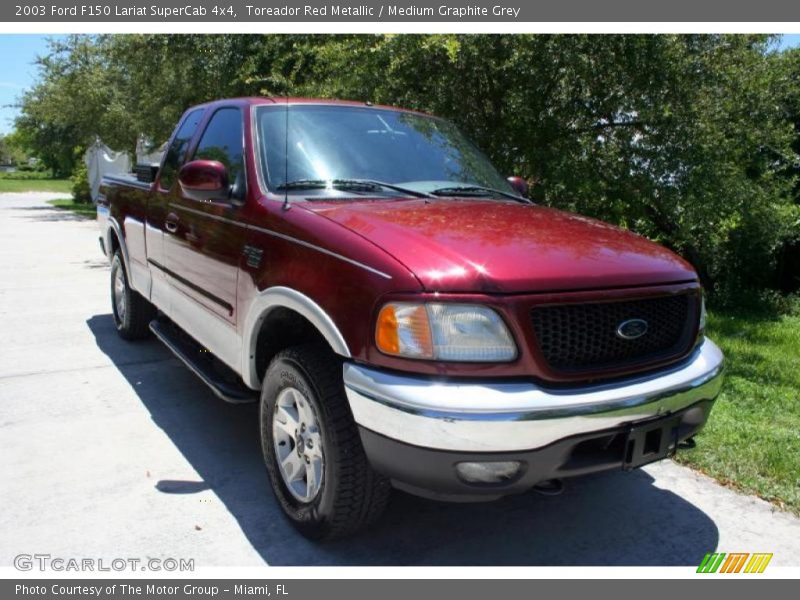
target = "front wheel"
x: 319, y: 472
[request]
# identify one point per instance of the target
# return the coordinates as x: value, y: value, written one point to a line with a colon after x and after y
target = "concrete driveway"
x: 114, y: 449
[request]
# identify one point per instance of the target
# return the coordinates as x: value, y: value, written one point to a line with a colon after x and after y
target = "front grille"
x: 583, y: 337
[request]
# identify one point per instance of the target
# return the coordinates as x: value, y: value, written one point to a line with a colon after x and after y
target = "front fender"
x: 284, y: 297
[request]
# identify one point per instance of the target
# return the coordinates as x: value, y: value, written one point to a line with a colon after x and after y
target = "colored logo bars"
x: 734, y: 562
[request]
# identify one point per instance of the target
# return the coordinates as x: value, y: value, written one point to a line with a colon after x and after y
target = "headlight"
x: 449, y: 332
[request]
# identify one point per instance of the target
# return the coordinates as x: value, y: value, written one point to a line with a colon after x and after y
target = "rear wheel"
x: 317, y: 466
x: 132, y: 313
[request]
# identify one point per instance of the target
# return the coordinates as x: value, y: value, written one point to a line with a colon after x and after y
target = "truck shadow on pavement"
x: 610, y: 519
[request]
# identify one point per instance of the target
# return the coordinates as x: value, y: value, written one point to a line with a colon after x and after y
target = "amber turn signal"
x: 403, y: 329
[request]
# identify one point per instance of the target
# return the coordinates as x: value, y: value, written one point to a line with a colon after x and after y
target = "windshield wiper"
x: 477, y: 190
x: 370, y: 184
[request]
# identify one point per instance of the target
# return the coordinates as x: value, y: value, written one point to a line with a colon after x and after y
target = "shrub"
x: 80, y: 184
x: 35, y: 168
x: 21, y: 175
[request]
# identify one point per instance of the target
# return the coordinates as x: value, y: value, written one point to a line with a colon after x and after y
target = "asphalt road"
x: 114, y: 449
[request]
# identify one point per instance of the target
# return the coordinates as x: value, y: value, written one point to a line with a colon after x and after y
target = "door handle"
x: 171, y: 223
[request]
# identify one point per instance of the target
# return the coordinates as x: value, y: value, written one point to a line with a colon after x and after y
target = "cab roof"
x: 264, y: 100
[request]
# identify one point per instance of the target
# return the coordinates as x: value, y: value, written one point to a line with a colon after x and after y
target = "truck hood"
x: 491, y: 246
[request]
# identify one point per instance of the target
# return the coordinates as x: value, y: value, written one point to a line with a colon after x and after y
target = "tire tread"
x: 362, y: 494
x: 140, y: 311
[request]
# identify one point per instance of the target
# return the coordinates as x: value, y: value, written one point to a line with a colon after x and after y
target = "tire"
x: 132, y: 313
x: 349, y: 495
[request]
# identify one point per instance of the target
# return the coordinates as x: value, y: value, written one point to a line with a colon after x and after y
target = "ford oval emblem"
x: 632, y: 329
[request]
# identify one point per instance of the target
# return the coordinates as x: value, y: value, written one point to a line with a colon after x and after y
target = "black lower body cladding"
x: 432, y: 473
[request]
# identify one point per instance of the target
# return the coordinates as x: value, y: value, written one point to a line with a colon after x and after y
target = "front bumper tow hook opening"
x: 549, y: 487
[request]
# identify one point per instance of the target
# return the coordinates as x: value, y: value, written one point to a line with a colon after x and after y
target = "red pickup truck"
x: 404, y: 315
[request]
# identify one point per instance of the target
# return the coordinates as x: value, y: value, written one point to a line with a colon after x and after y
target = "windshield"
x: 331, y: 143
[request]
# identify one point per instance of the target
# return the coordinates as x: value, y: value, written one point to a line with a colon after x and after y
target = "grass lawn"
x: 752, y: 440
x: 79, y: 208
x: 8, y: 184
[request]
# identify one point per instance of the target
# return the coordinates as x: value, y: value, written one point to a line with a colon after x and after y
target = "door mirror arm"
x: 237, y: 193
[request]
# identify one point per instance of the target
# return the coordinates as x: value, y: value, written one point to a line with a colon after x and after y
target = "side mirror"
x: 519, y: 184
x: 204, y: 180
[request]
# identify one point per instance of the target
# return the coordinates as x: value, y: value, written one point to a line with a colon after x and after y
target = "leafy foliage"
x: 689, y: 140
x: 81, y: 191
x: 10, y: 151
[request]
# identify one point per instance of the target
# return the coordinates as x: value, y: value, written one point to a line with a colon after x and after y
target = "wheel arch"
x: 116, y: 241
x: 276, y: 303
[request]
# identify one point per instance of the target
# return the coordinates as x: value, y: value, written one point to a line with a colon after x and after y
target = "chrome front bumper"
x: 509, y: 417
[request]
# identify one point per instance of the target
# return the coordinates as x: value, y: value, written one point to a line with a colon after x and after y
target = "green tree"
x: 685, y: 139
x: 68, y: 105
x: 680, y: 138
x: 11, y: 152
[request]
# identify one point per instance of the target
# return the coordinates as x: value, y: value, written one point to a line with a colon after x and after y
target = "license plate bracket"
x: 649, y: 441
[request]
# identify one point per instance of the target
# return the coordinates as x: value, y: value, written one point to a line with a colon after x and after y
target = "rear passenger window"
x: 222, y: 141
x: 177, y: 149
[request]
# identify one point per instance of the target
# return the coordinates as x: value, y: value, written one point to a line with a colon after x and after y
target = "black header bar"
x: 265, y: 11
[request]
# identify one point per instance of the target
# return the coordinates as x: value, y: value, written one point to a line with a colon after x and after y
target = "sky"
x: 17, y: 71
x: 789, y: 41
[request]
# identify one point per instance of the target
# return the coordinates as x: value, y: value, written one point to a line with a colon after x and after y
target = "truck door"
x: 204, y: 239
x: 158, y: 207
